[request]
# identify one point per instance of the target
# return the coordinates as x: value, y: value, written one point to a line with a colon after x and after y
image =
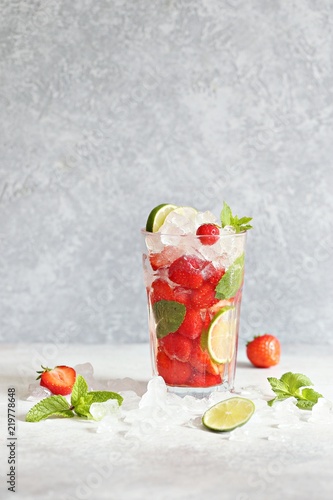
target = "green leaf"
x: 289, y: 385
x: 311, y: 395
x: 228, y: 219
x: 226, y: 215
x: 80, y: 388
x: 102, y: 396
x: 168, y: 315
x: 83, y: 407
x: 232, y: 280
x: 278, y: 385
x: 54, y: 406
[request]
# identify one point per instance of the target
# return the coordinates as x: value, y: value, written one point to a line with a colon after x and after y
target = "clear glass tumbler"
x: 194, y: 296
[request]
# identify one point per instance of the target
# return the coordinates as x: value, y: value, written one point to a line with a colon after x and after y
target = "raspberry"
x: 186, y: 271
x: 161, y: 291
x: 204, y: 379
x: 173, y: 371
x: 208, y: 234
x: 201, y: 361
x: 176, y: 346
x: 204, y: 296
x: 191, y: 327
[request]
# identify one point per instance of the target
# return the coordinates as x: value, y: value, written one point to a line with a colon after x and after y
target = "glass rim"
x: 145, y: 233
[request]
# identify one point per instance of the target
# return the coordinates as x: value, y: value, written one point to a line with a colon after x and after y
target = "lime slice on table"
x: 157, y: 216
x: 221, y: 339
x: 228, y: 414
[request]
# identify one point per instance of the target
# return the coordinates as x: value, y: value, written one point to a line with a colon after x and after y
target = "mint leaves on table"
x: 168, y: 315
x: 294, y: 385
x: 228, y: 219
x: 232, y: 280
x: 81, y: 400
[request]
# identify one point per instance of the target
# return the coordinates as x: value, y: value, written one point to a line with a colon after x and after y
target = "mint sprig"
x: 228, y: 219
x: 81, y: 400
x: 294, y: 385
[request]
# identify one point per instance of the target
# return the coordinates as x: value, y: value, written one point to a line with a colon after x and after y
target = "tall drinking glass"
x: 194, y: 294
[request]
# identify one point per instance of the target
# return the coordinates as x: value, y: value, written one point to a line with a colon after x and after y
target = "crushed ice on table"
x: 36, y: 392
x: 322, y: 412
x: 152, y: 410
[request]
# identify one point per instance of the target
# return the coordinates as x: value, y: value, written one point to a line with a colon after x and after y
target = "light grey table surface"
x: 68, y: 459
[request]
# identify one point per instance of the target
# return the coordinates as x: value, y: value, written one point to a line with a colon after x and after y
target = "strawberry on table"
x: 264, y: 351
x: 58, y: 380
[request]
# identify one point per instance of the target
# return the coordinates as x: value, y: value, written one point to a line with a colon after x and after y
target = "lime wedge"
x: 157, y: 216
x: 228, y: 414
x: 221, y: 340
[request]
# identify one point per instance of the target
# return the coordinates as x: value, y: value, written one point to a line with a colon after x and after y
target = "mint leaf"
x: 80, y: 388
x: 290, y: 385
x: 83, y: 407
x: 295, y: 381
x: 53, y: 406
x: 232, y: 280
x: 102, y: 396
x: 228, y: 219
x: 226, y: 215
x: 168, y: 315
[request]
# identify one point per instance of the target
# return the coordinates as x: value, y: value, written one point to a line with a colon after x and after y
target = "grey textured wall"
x: 111, y: 107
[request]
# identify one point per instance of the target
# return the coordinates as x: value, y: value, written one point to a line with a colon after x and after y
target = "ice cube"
x: 36, y: 392
x: 108, y: 408
x: 322, y: 412
x: 156, y: 393
x: 131, y: 400
x: 84, y: 369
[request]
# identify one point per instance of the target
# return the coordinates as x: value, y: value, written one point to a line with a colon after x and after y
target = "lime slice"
x: 157, y: 216
x: 228, y: 414
x: 221, y: 340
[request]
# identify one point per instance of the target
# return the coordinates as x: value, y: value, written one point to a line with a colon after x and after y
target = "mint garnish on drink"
x: 232, y: 280
x: 228, y: 219
x: 168, y: 315
x: 81, y: 400
x: 294, y: 385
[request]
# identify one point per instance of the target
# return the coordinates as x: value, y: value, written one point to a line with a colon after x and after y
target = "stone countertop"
x: 68, y: 459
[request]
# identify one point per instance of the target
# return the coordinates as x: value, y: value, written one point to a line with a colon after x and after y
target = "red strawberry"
x: 201, y: 361
x: 213, y: 275
x: 173, y: 371
x: 204, y: 296
x: 208, y: 233
x: 204, y: 379
x: 161, y: 290
x: 58, y: 380
x: 186, y: 271
x: 191, y: 327
x: 164, y: 258
x: 182, y: 295
x: 176, y: 346
x: 264, y: 351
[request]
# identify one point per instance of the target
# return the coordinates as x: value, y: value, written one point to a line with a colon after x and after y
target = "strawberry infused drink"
x: 193, y: 272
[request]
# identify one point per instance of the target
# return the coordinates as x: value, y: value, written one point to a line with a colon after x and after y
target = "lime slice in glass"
x: 221, y: 340
x: 157, y: 216
x: 228, y: 414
